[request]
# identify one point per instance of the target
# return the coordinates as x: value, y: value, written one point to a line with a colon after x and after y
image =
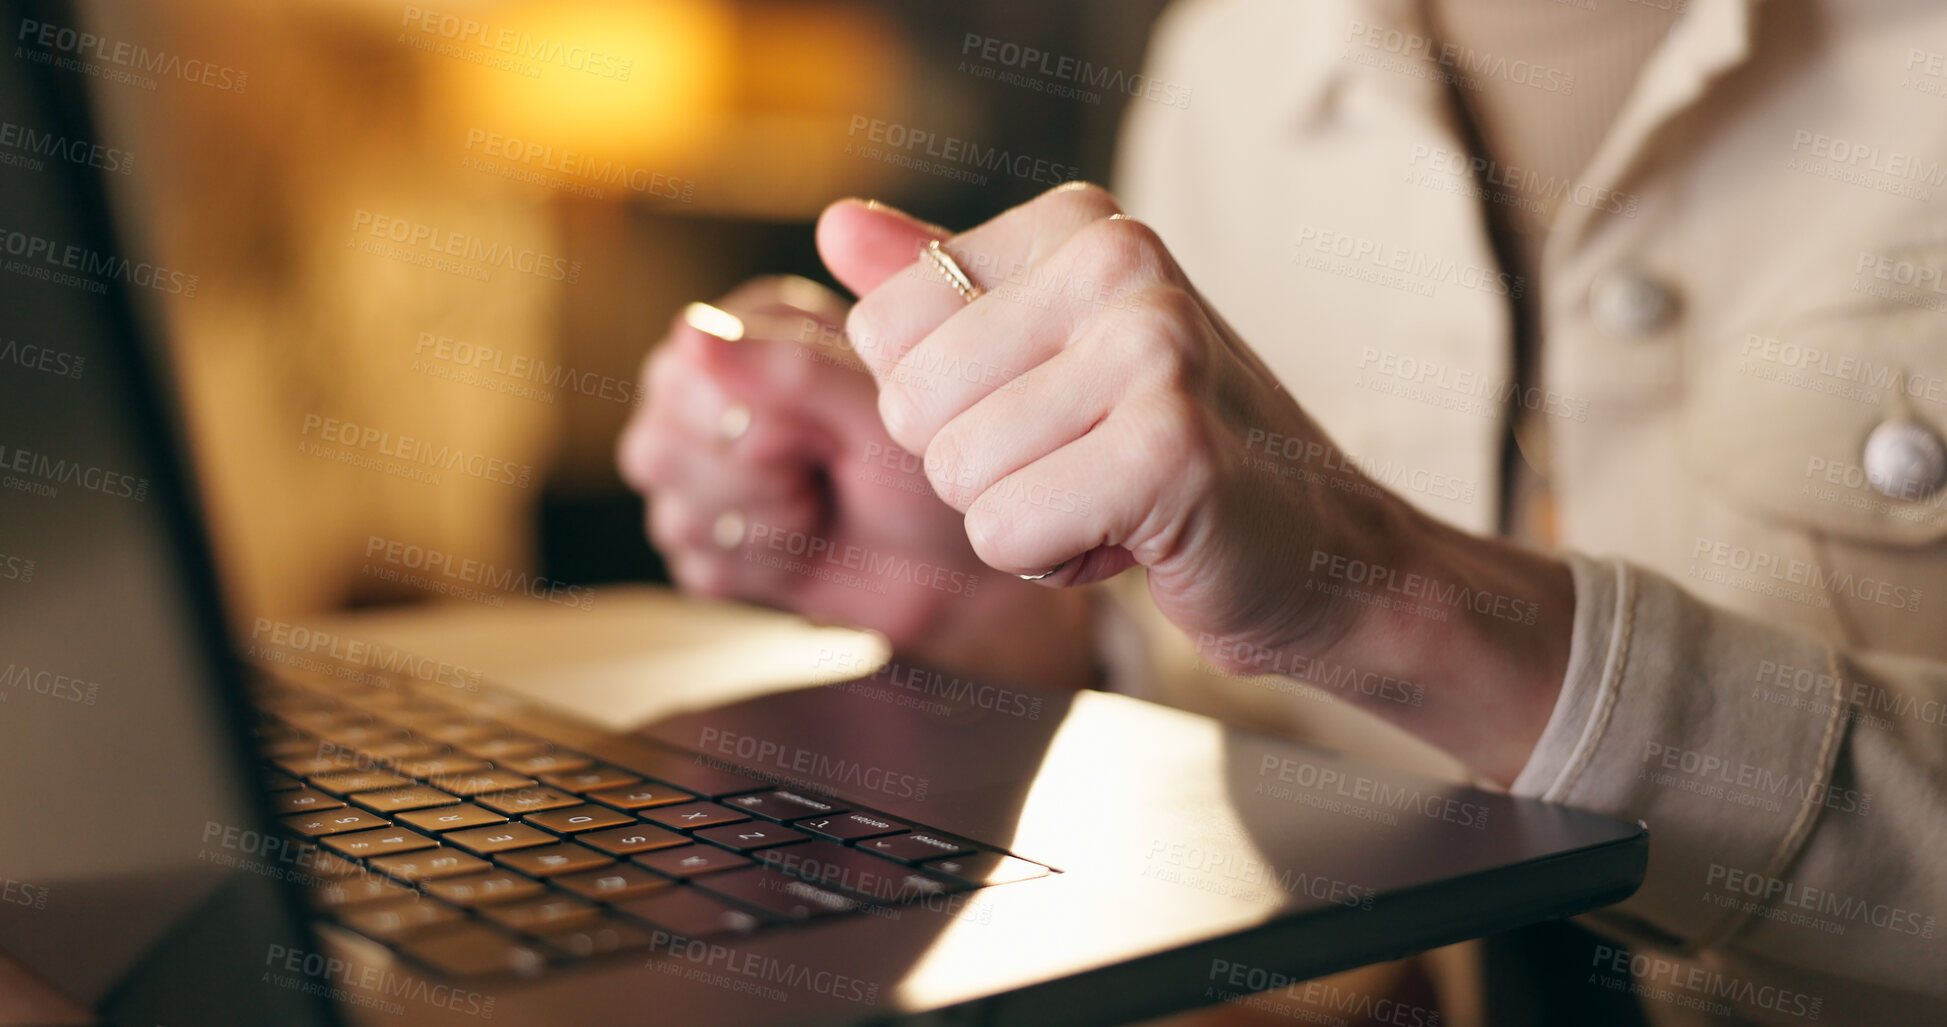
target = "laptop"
x: 345, y: 833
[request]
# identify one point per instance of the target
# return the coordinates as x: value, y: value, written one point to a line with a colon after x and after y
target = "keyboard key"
x: 849, y: 870
x: 319, y: 863
x: 916, y: 847
x: 545, y: 763
x: 782, y: 805
x: 304, y: 800
x: 590, y: 779
x: 305, y: 766
x: 625, y: 841
x: 847, y: 826
x: 294, y: 746
x: 641, y: 796
x: 485, y: 889
x: 449, y: 818
x: 469, y: 949
x: 779, y: 894
x: 551, y: 914
x: 692, y: 914
x: 498, y: 749
x: 751, y: 835
x: 691, y: 861
x: 367, y: 844
x: 361, y: 736
x: 446, y: 765
x: 694, y: 815
x: 394, y: 800
x: 586, y: 817
x: 985, y: 868
x: 548, y: 860
x: 394, y: 920
x: 686, y: 770
x: 404, y: 749
x: 617, y: 883
x: 337, y: 821
x: 277, y: 781
x: 426, y: 716
x: 483, y: 782
x: 485, y: 841
x: 453, y: 730
x: 357, y: 891
x: 528, y: 800
x: 430, y: 864
x: 318, y: 722
x: 358, y: 781
x: 601, y: 937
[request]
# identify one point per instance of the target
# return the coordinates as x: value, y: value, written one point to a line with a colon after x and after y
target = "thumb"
x: 865, y: 242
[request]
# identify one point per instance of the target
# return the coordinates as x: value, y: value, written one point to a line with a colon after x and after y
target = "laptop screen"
x: 132, y: 844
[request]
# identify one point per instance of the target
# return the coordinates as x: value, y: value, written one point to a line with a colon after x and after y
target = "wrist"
x: 1480, y: 625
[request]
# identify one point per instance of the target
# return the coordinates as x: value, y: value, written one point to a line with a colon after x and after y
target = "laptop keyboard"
x: 474, y: 847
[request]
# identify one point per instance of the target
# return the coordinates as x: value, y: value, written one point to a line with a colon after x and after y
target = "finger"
x: 989, y: 345
x: 719, y: 481
x: 1012, y: 427
x: 907, y: 297
x: 779, y: 294
x: 690, y: 413
x: 708, y: 548
x: 790, y: 362
x: 980, y: 350
x: 1139, y: 492
x: 864, y: 242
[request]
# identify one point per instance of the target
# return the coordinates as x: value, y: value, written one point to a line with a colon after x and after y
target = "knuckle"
x: 865, y: 328
x: 1085, y: 198
x: 787, y: 373
x: 663, y: 366
x: 632, y: 460
x: 946, y: 466
x: 1175, y: 310
x: 990, y: 532
x: 674, y: 526
x: 901, y: 411
x: 704, y: 575
x: 1121, y: 250
x: 1175, y: 438
x: 1168, y: 334
x: 644, y: 458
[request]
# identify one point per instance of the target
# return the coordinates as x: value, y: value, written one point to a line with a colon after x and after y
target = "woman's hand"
x: 770, y: 479
x: 1090, y: 412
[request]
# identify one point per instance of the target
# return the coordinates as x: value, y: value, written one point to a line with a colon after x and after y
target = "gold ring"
x: 951, y: 269
x: 1049, y: 573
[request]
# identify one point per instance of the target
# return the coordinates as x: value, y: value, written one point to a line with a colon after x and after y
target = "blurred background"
x: 432, y: 243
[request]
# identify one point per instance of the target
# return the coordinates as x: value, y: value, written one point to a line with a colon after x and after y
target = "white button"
x: 1630, y: 303
x: 1905, y: 460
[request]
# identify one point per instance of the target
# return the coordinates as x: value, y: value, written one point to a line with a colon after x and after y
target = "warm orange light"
x: 638, y: 81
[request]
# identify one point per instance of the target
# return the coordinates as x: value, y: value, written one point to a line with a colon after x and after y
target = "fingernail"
x: 714, y: 321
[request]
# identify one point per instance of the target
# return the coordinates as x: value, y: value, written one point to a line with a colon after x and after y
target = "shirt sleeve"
x: 1795, y: 793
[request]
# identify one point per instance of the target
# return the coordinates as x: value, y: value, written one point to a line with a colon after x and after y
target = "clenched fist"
x: 770, y: 479
x: 1075, y: 398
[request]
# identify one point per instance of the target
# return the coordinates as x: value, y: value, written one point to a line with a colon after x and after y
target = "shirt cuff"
x: 1655, y: 724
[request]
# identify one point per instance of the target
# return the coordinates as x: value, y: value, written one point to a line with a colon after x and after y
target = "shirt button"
x: 1630, y: 303
x: 1905, y: 460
